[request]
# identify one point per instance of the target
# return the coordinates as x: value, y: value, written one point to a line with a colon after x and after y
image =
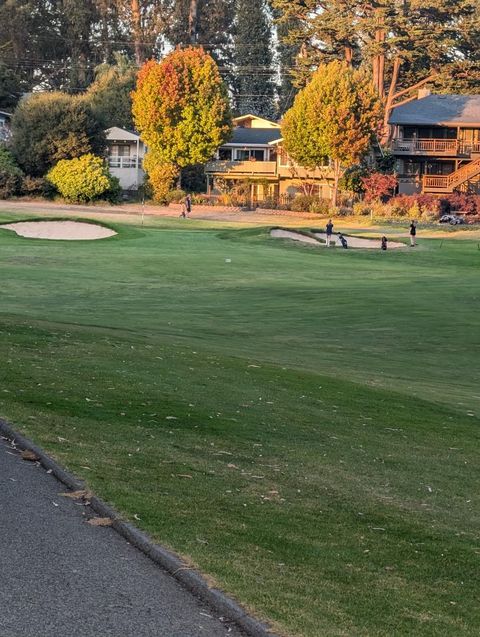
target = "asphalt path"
x: 60, y: 576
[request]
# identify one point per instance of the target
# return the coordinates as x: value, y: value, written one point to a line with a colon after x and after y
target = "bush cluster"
x: 310, y: 203
x: 84, y: 179
x: 10, y: 175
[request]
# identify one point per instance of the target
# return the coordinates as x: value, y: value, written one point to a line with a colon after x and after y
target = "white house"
x: 125, y: 153
x: 4, y: 125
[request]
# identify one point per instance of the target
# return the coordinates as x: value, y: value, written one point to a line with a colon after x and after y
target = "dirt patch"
x: 359, y: 242
x: 60, y: 230
x: 296, y: 236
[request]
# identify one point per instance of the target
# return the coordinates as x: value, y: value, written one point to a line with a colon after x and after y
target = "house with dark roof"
x: 255, y: 155
x: 436, y: 143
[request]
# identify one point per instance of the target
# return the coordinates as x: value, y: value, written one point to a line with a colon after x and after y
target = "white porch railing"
x: 123, y: 162
x: 242, y: 167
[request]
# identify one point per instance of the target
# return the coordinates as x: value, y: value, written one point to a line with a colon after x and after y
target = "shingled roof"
x: 254, y: 136
x: 439, y: 110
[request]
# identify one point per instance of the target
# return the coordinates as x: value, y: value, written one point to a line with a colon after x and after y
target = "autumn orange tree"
x: 336, y: 115
x: 182, y: 112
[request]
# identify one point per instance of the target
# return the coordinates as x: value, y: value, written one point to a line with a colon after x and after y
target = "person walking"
x: 384, y: 242
x: 188, y: 204
x: 413, y: 233
x: 329, y: 232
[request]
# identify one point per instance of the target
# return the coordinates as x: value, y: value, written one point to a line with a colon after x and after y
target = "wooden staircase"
x: 456, y: 180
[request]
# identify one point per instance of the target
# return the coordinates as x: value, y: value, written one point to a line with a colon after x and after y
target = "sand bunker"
x: 59, y: 230
x: 353, y: 242
x: 358, y: 242
x: 296, y: 236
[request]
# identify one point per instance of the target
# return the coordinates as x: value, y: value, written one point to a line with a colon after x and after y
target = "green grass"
x: 302, y: 424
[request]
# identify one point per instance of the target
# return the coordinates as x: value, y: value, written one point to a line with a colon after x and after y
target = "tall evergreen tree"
x: 109, y: 95
x: 254, y: 87
x: 207, y: 23
x: 420, y: 35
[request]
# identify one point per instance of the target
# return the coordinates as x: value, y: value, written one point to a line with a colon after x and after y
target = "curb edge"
x: 191, y: 579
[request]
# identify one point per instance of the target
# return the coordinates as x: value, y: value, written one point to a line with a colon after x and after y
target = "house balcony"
x: 115, y: 161
x: 242, y: 168
x: 435, y: 147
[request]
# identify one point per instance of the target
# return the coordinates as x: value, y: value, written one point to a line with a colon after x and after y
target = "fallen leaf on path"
x: 100, y: 521
x: 29, y: 455
x: 76, y: 495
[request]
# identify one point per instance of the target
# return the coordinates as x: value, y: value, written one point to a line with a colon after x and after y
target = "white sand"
x: 59, y: 230
x: 296, y: 236
x: 358, y: 242
x: 353, y: 242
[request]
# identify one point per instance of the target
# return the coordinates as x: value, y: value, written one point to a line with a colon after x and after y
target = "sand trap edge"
x: 59, y: 230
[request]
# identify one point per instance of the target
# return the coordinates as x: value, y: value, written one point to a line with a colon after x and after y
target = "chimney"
x: 423, y: 92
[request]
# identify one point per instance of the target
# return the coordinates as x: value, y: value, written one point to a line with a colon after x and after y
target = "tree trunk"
x: 397, y: 63
x: 336, y: 172
x: 192, y: 21
x: 137, y: 31
x: 348, y: 54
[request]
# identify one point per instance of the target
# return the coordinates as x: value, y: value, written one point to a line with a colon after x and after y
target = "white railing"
x: 124, y: 162
x: 242, y: 167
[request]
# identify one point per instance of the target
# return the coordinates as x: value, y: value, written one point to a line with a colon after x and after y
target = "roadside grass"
x: 301, y: 424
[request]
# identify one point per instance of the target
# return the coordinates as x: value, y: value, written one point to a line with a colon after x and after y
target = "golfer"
x: 413, y: 233
x: 188, y: 204
x: 329, y: 231
x: 384, y: 242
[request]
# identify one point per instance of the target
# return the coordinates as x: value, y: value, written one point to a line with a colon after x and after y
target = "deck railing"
x: 427, y: 146
x: 115, y: 161
x: 242, y: 167
x: 448, y: 182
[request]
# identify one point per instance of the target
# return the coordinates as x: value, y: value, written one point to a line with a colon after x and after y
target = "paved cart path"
x: 60, y: 576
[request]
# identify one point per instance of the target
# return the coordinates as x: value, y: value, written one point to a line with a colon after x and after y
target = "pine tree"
x: 254, y: 88
x: 207, y: 23
x: 420, y: 36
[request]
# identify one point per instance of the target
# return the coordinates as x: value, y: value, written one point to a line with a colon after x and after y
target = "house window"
x: 429, y: 132
x: 249, y: 154
x: 242, y: 155
x: 257, y: 155
x: 439, y: 167
x: 120, y: 150
x: 412, y: 168
x: 225, y: 154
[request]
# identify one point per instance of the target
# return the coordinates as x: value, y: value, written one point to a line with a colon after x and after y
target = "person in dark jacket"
x: 384, y: 242
x: 413, y: 233
x: 188, y: 204
x: 329, y: 231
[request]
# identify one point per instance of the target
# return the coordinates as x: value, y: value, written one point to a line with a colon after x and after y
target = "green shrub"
x: 310, y: 203
x: 10, y: 175
x: 82, y: 179
x: 37, y: 187
x: 114, y: 193
x: 361, y: 209
x: 176, y: 196
x: 49, y: 127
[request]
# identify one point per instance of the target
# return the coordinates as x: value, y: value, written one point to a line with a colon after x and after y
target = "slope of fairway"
x: 301, y: 424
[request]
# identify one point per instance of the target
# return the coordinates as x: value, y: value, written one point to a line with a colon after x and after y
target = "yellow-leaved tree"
x: 336, y: 115
x: 182, y: 112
